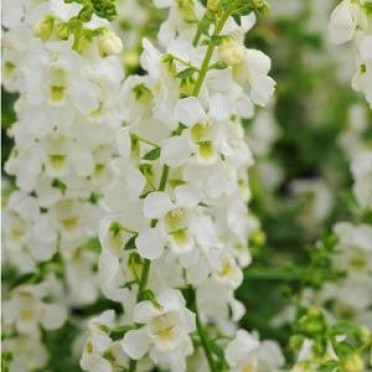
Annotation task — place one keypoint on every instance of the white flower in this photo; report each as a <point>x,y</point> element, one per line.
<point>200,138</point>
<point>253,71</point>
<point>354,247</point>
<point>167,326</point>
<point>109,43</point>
<point>246,353</point>
<point>33,355</point>
<point>55,75</point>
<point>175,222</point>
<point>26,310</point>
<point>100,352</point>
<point>229,272</point>
<point>343,22</point>
<point>165,85</point>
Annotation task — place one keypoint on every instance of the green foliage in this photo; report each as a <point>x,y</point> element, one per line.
<point>102,8</point>
<point>153,154</point>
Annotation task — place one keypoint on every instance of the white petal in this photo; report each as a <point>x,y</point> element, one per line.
<point>123,142</point>
<point>262,89</point>
<point>171,300</point>
<point>150,243</point>
<point>257,61</point>
<point>135,180</point>
<point>157,204</point>
<point>54,317</point>
<point>95,362</point>
<point>248,21</point>
<point>187,196</point>
<point>189,111</point>
<point>342,25</point>
<point>189,321</point>
<point>365,48</point>
<point>239,348</point>
<point>136,343</point>
<point>176,150</point>
<point>144,312</point>
<point>83,161</point>
<point>220,107</point>
<point>85,96</point>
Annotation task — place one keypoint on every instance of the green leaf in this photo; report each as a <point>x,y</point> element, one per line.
<point>186,73</point>
<point>153,154</point>
<point>343,328</point>
<point>204,26</point>
<point>105,9</point>
<point>131,243</point>
<point>58,184</point>
<point>95,197</point>
<point>29,278</point>
<point>140,90</point>
<point>330,366</point>
<point>344,349</point>
<point>179,129</point>
<point>217,39</point>
<point>218,66</point>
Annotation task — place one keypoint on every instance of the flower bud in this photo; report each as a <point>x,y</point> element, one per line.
<point>131,59</point>
<point>231,52</point>
<point>364,334</point>
<point>313,323</point>
<point>214,6</point>
<point>61,31</point>
<point>109,44</point>
<point>258,238</point>
<point>352,363</point>
<point>43,28</point>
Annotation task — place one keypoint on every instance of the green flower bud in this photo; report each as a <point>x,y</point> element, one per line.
<point>261,6</point>
<point>105,9</point>
<point>62,31</point>
<point>352,363</point>
<point>364,334</point>
<point>214,6</point>
<point>296,342</point>
<point>313,323</point>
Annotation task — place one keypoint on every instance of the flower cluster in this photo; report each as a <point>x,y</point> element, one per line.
<point>148,179</point>
<point>351,20</point>
<point>174,244</point>
<point>60,58</point>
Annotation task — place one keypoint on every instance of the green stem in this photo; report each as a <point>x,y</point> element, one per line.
<point>203,339</point>
<point>144,140</point>
<point>164,178</point>
<point>144,277</point>
<point>202,74</point>
<point>208,55</point>
<point>132,365</point>
<point>147,263</point>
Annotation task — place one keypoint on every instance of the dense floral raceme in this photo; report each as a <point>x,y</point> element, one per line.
<point>181,177</point>
<point>67,74</point>
<point>148,156</point>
